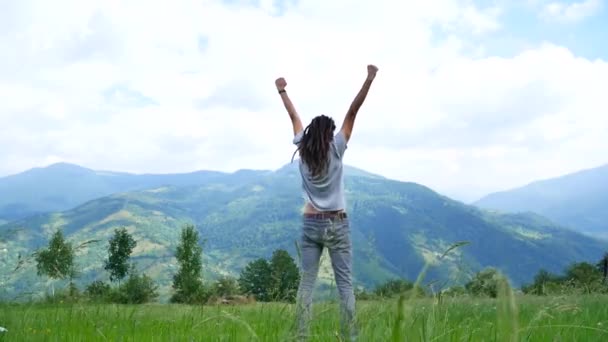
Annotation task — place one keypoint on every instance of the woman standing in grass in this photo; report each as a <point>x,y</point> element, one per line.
<point>325,223</point>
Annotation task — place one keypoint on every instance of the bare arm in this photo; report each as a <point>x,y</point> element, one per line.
<point>291,110</point>
<point>349,120</point>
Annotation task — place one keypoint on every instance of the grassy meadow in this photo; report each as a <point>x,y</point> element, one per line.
<point>525,318</point>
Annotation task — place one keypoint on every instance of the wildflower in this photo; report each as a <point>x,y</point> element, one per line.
<point>3,329</point>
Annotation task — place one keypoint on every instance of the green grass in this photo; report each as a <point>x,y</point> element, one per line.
<point>580,318</point>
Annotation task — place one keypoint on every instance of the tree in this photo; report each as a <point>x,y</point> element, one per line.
<point>544,281</point>
<point>284,275</point>
<point>188,282</point>
<point>119,251</point>
<point>57,260</point>
<point>603,267</point>
<point>485,283</point>
<point>256,280</point>
<point>225,287</point>
<point>584,276</point>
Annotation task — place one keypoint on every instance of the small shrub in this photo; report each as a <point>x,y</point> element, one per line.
<point>138,289</point>
<point>71,294</point>
<point>397,287</point>
<point>455,291</point>
<point>98,290</point>
<point>362,295</point>
<point>231,300</point>
<point>224,287</point>
<point>485,283</point>
<point>199,294</point>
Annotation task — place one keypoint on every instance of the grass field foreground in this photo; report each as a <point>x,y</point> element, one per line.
<point>581,318</point>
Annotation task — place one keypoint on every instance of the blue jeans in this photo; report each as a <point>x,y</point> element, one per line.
<point>334,234</point>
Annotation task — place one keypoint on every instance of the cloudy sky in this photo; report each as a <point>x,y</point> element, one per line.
<point>471,97</point>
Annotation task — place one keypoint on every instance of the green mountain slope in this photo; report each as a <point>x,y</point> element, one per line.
<point>396,228</point>
<point>578,201</point>
<point>63,186</point>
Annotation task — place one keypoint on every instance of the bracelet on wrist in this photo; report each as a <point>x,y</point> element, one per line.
<point>282,91</point>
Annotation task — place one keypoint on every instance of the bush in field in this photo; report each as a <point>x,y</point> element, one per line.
<point>98,290</point>
<point>579,278</point>
<point>276,280</point>
<point>602,266</point>
<point>545,283</point>
<point>393,287</point>
<point>363,294</point>
<point>397,287</point>
<point>137,289</point>
<point>454,291</point>
<point>73,290</point>
<point>485,283</point>
<point>256,280</point>
<point>225,287</point>
<point>284,276</point>
<point>585,277</point>
<point>70,294</point>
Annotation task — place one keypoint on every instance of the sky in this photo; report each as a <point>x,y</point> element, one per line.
<point>471,97</point>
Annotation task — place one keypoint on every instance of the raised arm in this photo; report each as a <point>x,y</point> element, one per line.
<point>293,115</point>
<point>349,120</point>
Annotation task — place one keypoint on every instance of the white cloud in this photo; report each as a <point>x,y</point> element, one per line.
<point>571,12</point>
<point>189,85</point>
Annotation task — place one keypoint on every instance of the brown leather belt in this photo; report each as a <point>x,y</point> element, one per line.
<point>326,215</point>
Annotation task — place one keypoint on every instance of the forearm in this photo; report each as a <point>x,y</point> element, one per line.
<point>349,120</point>
<point>360,98</point>
<point>291,110</point>
<point>293,114</point>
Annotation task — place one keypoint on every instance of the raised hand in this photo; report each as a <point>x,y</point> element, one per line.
<point>280,83</point>
<point>371,71</point>
<point>349,120</point>
<point>291,110</point>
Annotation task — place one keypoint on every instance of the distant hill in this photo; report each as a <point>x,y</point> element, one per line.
<point>578,200</point>
<point>63,186</point>
<point>396,228</point>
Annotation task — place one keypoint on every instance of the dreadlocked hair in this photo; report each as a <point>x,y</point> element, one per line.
<point>314,146</point>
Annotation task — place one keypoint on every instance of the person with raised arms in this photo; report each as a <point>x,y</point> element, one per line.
<point>325,221</point>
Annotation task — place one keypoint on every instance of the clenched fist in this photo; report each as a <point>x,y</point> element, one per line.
<point>280,83</point>
<point>371,71</point>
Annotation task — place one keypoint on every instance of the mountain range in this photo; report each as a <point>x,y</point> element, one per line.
<point>397,227</point>
<point>63,186</point>
<point>578,201</point>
